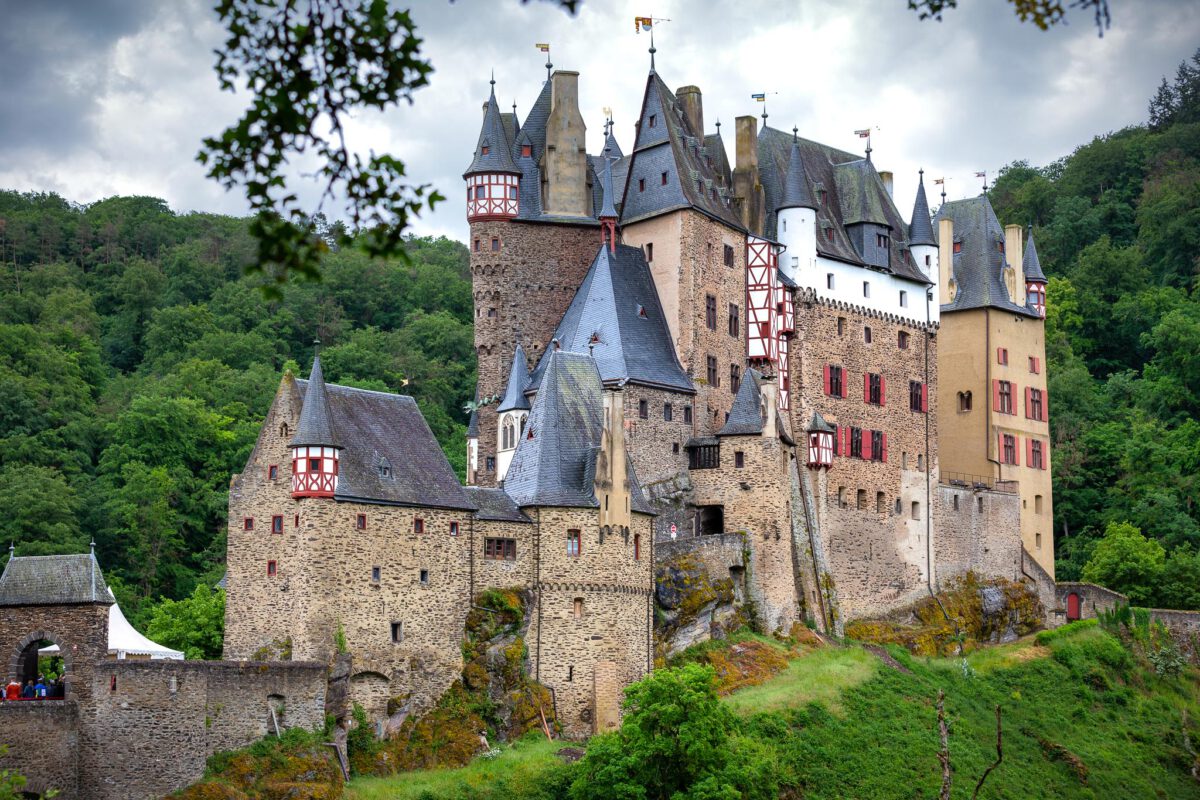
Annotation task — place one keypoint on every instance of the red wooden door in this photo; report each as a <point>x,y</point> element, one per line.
<point>1072,607</point>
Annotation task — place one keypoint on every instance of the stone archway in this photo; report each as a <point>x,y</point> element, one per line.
<point>18,663</point>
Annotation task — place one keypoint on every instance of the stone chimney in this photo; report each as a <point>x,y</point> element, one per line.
<point>1014,253</point>
<point>888,179</point>
<point>945,259</point>
<point>770,400</point>
<point>612,479</point>
<point>693,107</point>
<point>564,166</point>
<point>747,187</point>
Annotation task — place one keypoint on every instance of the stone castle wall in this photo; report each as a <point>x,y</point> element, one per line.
<point>520,291</point>
<point>976,531</point>
<point>43,745</point>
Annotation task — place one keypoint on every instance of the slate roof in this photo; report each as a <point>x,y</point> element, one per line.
<point>495,135</point>
<point>920,229</point>
<point>316,427</point>
<point>1031,264</point>
<point>53,580</point>
<point>714,146</point>
<point>518,381</point>
<point>746,416</point>
<point>607,195</point>
<point>979,268</point>
<point>555,461</point>
<point>611,147</point>
<point>373,426</point>
<point>616,316</point>
<point>494,504</point>
<point>671,146</point>
<point>855,194</point>
<point>796,191</point>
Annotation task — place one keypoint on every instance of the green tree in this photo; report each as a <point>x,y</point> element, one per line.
<point>39,511</point>
<point>1127,562</point>
<point>195,625</point>
<point>1180,583</point>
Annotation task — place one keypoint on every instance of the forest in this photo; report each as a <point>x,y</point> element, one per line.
<point>138,356</point>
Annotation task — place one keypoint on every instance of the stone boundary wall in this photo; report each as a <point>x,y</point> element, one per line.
<point>43,744</point>
<point>1092,600</point>
<point>1043,585</point>
<point>1184,627</point>
<point>717,552</point>
<point>152,724</point>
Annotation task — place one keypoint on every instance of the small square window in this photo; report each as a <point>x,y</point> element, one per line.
<point>675,447</point>
<point>454,528</point>
<point>739,459</point>
<point>526,150</point>
<point>664,179</point>
<point>687,414</point>
<point>653,120</point>
<point>376,574</point>
<point>314,465</point>
<point>271,569</point>
<point>277,524</point>
<point>477,246</point>
<point>668,412</point>
<point>902,340</point>
<point>1002,356</point>
<point>273,471</point>
<point>418,525</point>
<point>397,632</point>
<point>957,247</point>
<point>643,409</point>
<point>361,522</point>
<point>424,577</point>
<point>729,255</point>
<point>495,244</point>
<point>574,542</point>
<point>248,524</point>
<point>490,464</point>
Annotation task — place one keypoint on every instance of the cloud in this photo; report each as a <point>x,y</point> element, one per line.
<point>107,97</point>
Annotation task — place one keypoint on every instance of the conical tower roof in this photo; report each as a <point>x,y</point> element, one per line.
<point>611,148</point>
<point>920,229</point>
<point>607,209</point>
<point>518,381</point>
<point>1032,265</point>
<point>796,192</point>
<point>316,423</point>
<point>493,151</point>
<point>746,416</point>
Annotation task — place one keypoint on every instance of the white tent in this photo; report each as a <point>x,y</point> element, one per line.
<point>124,640</point>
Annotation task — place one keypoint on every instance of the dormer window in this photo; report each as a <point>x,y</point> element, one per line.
<point>641,184</point>
<point>526,151</point>
<point>823,196</point>
<point>385,468</point>
<point>957,247</point>
<point>483,151</point>
<point>663,178</point>
<point>1000,246</point>
<point>653,120</point>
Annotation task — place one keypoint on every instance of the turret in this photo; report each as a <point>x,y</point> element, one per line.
<point>493,179</point>
<point>796,218</point>
<point>1035,279</point>
<point>921,240</point>
<point>513,412</point>
<point>315,450</point>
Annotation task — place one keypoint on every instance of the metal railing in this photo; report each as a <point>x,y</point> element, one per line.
<point>964,480</point>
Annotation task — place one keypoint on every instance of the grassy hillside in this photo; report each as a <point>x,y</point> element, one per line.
<point>1081,719</point>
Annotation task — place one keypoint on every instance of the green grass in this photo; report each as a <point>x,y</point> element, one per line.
<point>818,676</point>
<point>518,771</point>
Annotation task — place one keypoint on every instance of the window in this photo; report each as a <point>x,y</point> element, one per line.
<point>735,378</point>
<point>653,120</point>
<point>397,632</point>
<point>641,184</point>
<point>570,672</point>
<point>297,521</point>
<point>964,401</point>
<point>957,247</point>
<point>663,178</point>
<point>862,499</point>
<point>423,577</point>
<point>920,462</point>
<point>903,299</point>
<point>643,409</point>
<point>500,549</point>
<point>955,502</point>
<point>577,608</point>
<point>1035,454</point>
<point>649,251</point>
<point>882,241</point>
<point>526,150</point>
<point>835,384</point>
<point>1004,397</point>
<point>903,460</point>
<point>637,546</point>
<point>866,288</point>
<point>928,261</point>
<point>508,435</point>
<point>418,525</point>
<point>376,574</point>
<point>361,522</point>
<point>385,468</point>
<point>979,504</point>
<point>880,503</point>
<point>277,524</point>
<point>898,506</point>
<point>491,313</point>
<point>574,543</point>
<point>1034,407</point>
<point>512,193</point>
<point>490,464</point>
<point>248,524</point>
<point>735,324</point>
<point>477,246</point>
<point>874,387</point>
<point>687,414</point>
<point>710,312</point>
<point>828,280</point>
<point>1002,356</point>
<point>1038,540</point>
<point>272,570</point>
<point>483,151</point>
<point>841,497</point>
<point>1008,449</point>
<point>878,446</point>
<point>314,465</point>
<point>856,450</point>
<point>729,255</point>
<point>674,447</point>
<point>867,334</point>
<point>829,234</point>
<point>1037,504</point>
<point>841,326</point>
<point>918,399</point>
<point>902,340</point>
<point>1000,246</point>
<point>739,459</point>
<point>713,378</point>
<point>916,510</point>
<point>668,412</point>
<point>823,195</point>
<point>1035,365</point>
<point>454,528</point>
<point>495,244</point>
<point>273,472</point>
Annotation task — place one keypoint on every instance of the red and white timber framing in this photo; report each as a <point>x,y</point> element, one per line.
<point>770,316</point>
<point>492,195</point>
<point>314,471</point>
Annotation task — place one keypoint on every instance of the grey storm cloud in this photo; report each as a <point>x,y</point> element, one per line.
<point>102,97</point>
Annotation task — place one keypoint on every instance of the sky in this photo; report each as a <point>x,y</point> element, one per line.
<point>106,97</point>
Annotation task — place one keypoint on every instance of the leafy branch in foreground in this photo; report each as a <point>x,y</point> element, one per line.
<point>307,65</point>
<point>1043,13</point>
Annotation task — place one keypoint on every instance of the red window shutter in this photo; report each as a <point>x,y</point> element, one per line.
<point>845,383</point>
<point>1029,451</point>
<point>995,394</point>
<point>866,387</point>
<point>1013,410</point>
<point>1045,404</point>
<point>1028,404</point>
<point>1045,453</point>
<point>845,440</point>
<point>883,455</point>
<point>882,391</point>
<point>924,397</point>
<point>1017,450</point>
<point>1000,447</point>
<point>828,388</point>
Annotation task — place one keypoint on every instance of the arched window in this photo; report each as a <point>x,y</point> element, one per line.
<point>508,436</point>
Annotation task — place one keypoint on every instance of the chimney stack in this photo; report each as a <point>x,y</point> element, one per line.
<point>693,108</point>
<point>770,401</point>
<point>1014,253</point>
<point>945,259</point>
<point>888,179</point>
<point>565,160</point>
<point>747,187</point>
<point>612,480</point>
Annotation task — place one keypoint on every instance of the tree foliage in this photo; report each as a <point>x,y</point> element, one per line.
<point>195,624</point>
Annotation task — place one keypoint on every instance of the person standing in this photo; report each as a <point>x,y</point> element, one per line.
<point>40,689</point>
<point>27,693</point>
<point>13,690</point>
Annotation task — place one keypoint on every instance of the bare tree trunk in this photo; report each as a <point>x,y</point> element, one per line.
<point>944,752</point>
<point>999,755</point>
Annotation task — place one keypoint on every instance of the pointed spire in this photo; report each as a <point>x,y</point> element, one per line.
<point>653,49</point>
<point>518,382</point>
<point>796,193</point>
<point>493,151</point>
<point>611,148</point>
<point>607,209</point>
<point>1032,265</point>
<point>920,228</point>
<point>316,425</point>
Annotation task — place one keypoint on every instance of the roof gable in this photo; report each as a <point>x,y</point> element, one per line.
<point>518,381</point>
<point>53,580</point>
